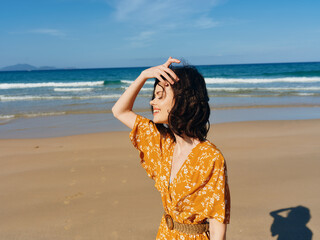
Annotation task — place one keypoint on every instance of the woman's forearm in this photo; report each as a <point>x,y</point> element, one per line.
<point>122,109</point>
<point>217,230</point>
<point>126,101</point>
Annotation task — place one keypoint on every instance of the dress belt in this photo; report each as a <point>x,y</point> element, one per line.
<point>185,227</point>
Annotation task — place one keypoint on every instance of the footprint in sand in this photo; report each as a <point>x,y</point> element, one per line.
<point>97,194</point>
<point>67,225</point>
<point>68,199</point>
<point>78,237</point>
<point>103,179</point>
<point>124,181</point>
<point>102,169</point>
<point>73,182</point>
<point>72,169</point>
<point>115,202</point>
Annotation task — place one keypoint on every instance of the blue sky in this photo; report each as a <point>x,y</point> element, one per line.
<point>116,33</point>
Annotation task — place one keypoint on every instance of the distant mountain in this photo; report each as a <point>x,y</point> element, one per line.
<point>25,67</point>
<point>19,67</point>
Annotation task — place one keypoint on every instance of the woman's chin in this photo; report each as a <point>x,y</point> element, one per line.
<point>158,120</point>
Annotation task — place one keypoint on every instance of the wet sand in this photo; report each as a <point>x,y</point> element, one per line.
<point>84,123</point>
<point>92,187</point>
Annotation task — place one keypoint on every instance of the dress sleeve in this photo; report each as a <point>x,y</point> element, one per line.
<point>213,199</point>
<point>146,138</point>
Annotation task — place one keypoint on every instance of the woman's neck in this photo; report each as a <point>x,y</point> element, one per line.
<point>185,142</point>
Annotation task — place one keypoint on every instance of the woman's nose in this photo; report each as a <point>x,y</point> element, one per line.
<point>152,102</point>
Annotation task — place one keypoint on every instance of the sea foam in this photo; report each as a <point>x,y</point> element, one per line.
<point>262,80</point>
<point>72,89</point>
<point>29,98</point>
<point>233,89</point>
<point>49,84</point>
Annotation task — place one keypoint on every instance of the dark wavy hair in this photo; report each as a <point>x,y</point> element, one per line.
<point>190,114</point>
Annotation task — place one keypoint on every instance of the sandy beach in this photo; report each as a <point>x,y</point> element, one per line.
<point>92,186</point>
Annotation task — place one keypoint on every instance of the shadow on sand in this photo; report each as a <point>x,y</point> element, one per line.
<point>293,226</point>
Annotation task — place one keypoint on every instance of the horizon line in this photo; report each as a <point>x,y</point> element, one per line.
<point>75,68</point>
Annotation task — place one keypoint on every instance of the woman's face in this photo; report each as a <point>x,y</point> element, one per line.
<point>162,103</point>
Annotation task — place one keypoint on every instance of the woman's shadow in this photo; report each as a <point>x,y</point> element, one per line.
<point>292,227</point>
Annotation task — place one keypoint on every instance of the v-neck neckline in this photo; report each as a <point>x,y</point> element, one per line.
<point>182,166</point>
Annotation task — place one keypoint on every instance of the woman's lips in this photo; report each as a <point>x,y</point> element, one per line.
<point>155,111</point>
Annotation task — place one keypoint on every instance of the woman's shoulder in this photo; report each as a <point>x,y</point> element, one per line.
<point>209,152</point>
<point>208,147</point>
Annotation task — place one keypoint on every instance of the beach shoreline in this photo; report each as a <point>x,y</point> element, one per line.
<point>89,186</point>
<point>103,121</point>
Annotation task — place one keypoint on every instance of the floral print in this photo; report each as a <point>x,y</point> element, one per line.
<point>200,189</point>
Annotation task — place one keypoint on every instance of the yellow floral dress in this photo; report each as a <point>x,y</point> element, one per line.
<point>199,190</point>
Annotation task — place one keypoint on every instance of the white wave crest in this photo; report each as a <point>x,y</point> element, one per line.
<point>72,89</point>
<point>126,81</point>
<point>230,89</point>
<point>262,80</point>
<point>30,98</point>
<point>147,89</point>
<point>49,84</point>
<point>306,94</point>
<point>144,89</point>
<point>7,116</point>
<point>149,82</point>
<point>42,114</point>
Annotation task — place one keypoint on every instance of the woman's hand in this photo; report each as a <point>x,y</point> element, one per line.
<point>162,72</point>
<point>122,109</point>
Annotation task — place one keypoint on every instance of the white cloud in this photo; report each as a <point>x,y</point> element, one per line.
<point>160,12</point>
<point>125,8</point>
<point>163,16</point>
<point>48,31</point>
<point>206,23</point>
<point>143,39</point>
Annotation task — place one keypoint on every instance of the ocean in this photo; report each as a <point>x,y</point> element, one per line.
<point>33,94</point>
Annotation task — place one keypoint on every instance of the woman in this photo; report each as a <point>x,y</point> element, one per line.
<point>189,171</point>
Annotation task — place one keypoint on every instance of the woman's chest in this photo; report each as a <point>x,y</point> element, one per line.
<point>181,160</point>
<point>176,173</point>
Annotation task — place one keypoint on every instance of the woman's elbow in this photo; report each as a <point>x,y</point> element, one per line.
<point>115,112</point>
<point>119,113</point>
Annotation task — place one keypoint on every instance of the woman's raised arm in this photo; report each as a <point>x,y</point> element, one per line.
<point>122,109</point>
